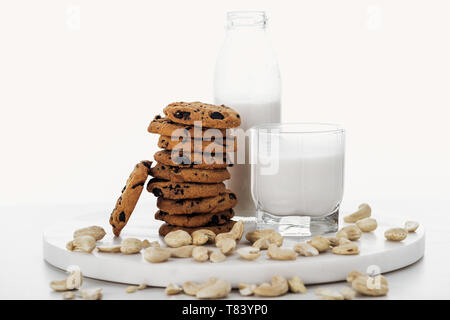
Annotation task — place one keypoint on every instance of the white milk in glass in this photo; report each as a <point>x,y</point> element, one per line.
<point>247,79</point>
<point>307,185</point>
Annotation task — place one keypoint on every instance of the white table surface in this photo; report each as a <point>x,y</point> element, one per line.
<point>25,275</point>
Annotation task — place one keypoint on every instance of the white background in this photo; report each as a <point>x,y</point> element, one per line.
<point>81,80</point>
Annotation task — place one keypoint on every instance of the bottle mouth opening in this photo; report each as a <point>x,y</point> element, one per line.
<point>246,19</point>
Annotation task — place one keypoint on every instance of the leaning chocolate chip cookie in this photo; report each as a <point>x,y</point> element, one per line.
<point>166,127</point>
<point>208,114</point>
<point>198,145</point>
<point>129,197</point>
<point>193,160</point>
<point>166,228</point>
<point>177,174</point>
<point>195,220</point>
<point>222,202</point>
<point>183,190</point>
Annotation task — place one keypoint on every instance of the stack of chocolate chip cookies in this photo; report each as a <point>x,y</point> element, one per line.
<point>190,170</point>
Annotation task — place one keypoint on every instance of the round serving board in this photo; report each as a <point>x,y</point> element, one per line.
<point>376,254</point>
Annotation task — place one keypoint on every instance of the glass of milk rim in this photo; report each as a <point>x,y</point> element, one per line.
<point>297,176</point>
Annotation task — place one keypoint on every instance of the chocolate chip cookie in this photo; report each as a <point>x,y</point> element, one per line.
<point>195,220</point>
<point>183,190</point>
<point>193,160</point>
<point>198,145</point>
<point>129,197</point>
<point>166,127</point>
<point>166,228</point>
<point>222,202</point>
<point>208,114</point>
<point>177,174</point>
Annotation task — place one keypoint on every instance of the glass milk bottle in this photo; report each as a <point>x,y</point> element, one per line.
<point>247,79</point>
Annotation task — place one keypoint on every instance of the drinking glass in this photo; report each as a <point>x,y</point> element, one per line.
<point>297,176</point>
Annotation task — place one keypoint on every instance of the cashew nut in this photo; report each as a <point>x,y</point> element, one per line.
<point>396,234</point>
<point>191,288</point>
<point>226,245</point>
<point>75,278</point>
<point>305,249</point>
<point>276,253</point>
<point>219,289</point>
<point>59,285</point>
<point>246,289</point>
<point>411,226</point>
<point>202,236</point>
<point>82,244</point>
<point>249,253</point>
<point>350,232</point>
<point>364,211</point>
<point>261,244</point>
<point>200,254</point>
<point>173,289</point>
<point>277,287</point>
<point>131,246</point>
<point>349,248</point>
<point>329,294</point>
<point>296,285</point>
<point>367,224</point>
<point>157,254</point>
<point>147,244</point>
<point>182,252</point>
<point>109,249</point>
<point>94,231</point>
<point>217,256</point>
<point>371,286</point>
<point>91,294</point>
<point>131,289</point>
<point>333,241</point>
<point>237,230</point>
<point>269,234</point>
<point>320,243</point>
<point>355,274</point>
<point>177,239</point>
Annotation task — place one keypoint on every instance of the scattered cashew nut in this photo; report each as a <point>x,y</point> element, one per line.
<point>246,289</point>
<point>351,233</point>
<point>173,289</point>
<point>94,231</point>
<point>411,226</point>
<point>226,245</point>
<point>296,285</point>
<point>177,239</point>
<point>202,236</point>
<point>367,224</point>
<point>364,211</point>
<point>305,249</point>
<point>277,287</point>
<point>349,248</point>
<point>182,252</point>
<point>249,253</point>
<point>91,294</point>
<point>396,234</point>
<point>82,244</point>
<point>218,289</point>
<point>157,254</point>
<point>217,256</point>
<point>320,243</point>
<point>276,253</point>
<point>200,254</point>
<point>131,246</point>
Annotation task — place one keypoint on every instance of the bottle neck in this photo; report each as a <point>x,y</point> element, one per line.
<point>242,20</point>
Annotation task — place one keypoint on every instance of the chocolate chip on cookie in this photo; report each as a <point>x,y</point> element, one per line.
<point>193,160</point>
<point>129,197</point>
<point>195,220</point>
<point>183,190</point>
<point>222,202</point>
<point>166,127</point>
<point>217,146</point>
<point>177,174</point>
<point>210,115</point>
